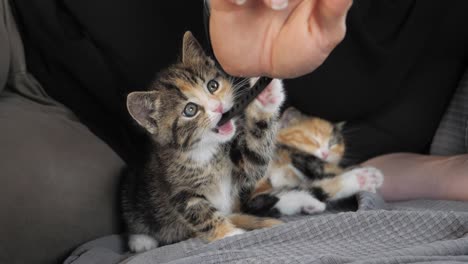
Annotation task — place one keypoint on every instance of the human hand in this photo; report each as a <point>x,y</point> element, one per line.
<point>268,38</point>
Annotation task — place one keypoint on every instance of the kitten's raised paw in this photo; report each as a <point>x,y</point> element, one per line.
<point>370,179</point>
<point>140,243</point>
<point>272,97</point>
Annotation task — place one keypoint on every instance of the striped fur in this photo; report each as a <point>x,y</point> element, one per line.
<point>197,173</point>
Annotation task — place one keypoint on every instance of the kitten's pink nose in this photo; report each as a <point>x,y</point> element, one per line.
<point>324,154</point>
<point>219,109</point>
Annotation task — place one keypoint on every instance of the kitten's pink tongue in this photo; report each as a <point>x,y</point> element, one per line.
<point>226,128</point>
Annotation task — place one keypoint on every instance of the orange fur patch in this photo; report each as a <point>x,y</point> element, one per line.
<point>221,230</point>
<point>184,86</point>
<point>331,186</point>
<point>330,168</point>
<point>282,157</point>
<point>224,89</point>
<point>250,222</point>
<point>307,134</point>
<point>262,186</point>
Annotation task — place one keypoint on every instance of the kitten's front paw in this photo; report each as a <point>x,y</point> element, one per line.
<point>358,179</point>
<point>271,99</point>
<point>366,178</point>
<point>370,179</point>
<point>141,242</point>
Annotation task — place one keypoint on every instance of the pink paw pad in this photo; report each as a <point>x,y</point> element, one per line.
<point>362,179</point>
<point>272,97</point>
<point>370,179</point>
<point>267,97</point>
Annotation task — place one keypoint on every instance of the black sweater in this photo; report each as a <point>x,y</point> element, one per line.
<point>390,79</point>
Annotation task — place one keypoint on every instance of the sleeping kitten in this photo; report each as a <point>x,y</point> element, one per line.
<point>197,172</point>
<point>305,172</point>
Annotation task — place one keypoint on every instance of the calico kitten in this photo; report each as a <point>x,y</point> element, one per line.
<point>305,172</point>
<point>197,172</point>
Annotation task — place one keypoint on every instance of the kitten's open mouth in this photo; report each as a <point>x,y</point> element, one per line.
<point>225,129</point>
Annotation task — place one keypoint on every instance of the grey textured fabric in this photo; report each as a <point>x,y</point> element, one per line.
<point>452,135</point>
<point>58,181</point>
<point>411,232</point>
<point>103,250</point>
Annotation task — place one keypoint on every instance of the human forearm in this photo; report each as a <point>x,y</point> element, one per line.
<point>413,176</point>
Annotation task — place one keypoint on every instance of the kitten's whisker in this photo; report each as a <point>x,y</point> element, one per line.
<point>244,81</point>
<point>237,95</point>
<point>240,83</point>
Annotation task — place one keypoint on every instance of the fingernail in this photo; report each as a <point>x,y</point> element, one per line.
<point>240,2</point>
<point>279,4</point>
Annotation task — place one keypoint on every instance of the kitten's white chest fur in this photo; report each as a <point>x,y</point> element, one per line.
<point>203,153</point>
<point>221,195</point>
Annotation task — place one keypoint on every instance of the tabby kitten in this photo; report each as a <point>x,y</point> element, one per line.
<point>197,172</point>
<point>305,172</point>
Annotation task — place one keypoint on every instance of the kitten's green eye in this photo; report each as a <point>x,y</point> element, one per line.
<point>190,110</point>
<point>213,86</point>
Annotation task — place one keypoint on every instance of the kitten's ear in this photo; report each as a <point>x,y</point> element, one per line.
<point>192,51</point>
<point>140,105</point>
<point>340,125</point>
<point>289,116</point>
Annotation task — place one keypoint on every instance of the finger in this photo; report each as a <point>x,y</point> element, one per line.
<point>276,4</point>
<point>227,5</point>
<point>331,14</point>
<point>238,2</point>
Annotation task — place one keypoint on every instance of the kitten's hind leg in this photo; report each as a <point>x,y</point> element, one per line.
<point>293,202</point>
<point>287,202</point>
<point>250,222</point>
<point>141,242</point>
<point>203,217</point>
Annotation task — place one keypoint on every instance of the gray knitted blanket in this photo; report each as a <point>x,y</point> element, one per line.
<point>410,232</point>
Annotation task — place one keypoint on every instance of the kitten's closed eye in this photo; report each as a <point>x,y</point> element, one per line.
<point>315,142</point>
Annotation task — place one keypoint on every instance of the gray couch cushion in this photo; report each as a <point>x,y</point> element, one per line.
<point>4,47</point>
<point>452,135</point>
<point>13,73</point>
<point>58,182</point>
